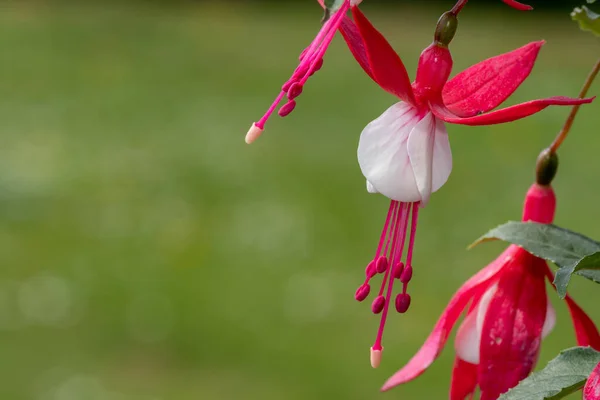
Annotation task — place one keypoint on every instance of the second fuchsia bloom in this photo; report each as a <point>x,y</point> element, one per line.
<point>405,153</point>
<point>591,391</point>
<point>508,315</point>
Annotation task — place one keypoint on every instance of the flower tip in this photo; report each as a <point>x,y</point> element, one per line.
<point>375,357</point>
<point>253,133</point>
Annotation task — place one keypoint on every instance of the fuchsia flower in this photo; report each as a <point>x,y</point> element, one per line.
<point>508,314</point>
<point>591,391</point>
<point>311,61</point>
<point>405,153</point>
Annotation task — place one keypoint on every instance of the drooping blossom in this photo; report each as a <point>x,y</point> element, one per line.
<point>311,61</point>
<point>405,153</point>
<point>591,391</point>
<point>507,316</point>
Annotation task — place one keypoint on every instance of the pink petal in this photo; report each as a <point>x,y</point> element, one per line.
<point>512,331</point>
<point>485,85</point>
<point>464,380</point>
<point>506,114</point>
<point>387,68</point>
<point>434,344</point>
<point>517,5</point>
<point>585,329</point>
<point>591,391</point>
<point>356,45</point>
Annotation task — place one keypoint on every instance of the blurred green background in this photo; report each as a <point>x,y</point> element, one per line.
<point>148,253</point>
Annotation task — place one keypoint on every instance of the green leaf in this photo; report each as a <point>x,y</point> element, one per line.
<point>562,376</point>
<point>587,19</point>
<point>570,251</point>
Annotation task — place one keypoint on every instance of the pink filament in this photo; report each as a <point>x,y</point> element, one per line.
<point>396,252</point>
<point>310,58</point>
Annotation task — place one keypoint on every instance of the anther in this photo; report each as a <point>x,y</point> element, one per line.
<point>362,292</point>
<point>295,90</point>
<point>398,269</point>
<point>407,274</point>
<point>301,57</point>
<point>287,108</point>
<point>371,269</point>
<point>253,133</point>
<point>318,66</point>
<point>378,304</point>
<point>382,264</point>
<point>402,302</point>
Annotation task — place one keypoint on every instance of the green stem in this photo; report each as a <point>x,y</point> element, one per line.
<point>567,127</point>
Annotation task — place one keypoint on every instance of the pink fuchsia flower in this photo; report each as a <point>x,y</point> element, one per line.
<point>311,61</point>
<point>591,391</point>
<point>405,153</point>
<point>507,316</point>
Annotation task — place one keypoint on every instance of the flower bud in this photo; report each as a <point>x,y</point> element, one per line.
<point>446,28</point>
<point>546,167</point>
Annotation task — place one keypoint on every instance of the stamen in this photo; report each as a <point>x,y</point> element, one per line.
<point>398,269</point>
<point>402,302</point>
<point>388,259</point>
<point>396,252</point>
<point>287,108</point>
<point>378,304</point>
<point>311,60</point>
<point>362,292</point>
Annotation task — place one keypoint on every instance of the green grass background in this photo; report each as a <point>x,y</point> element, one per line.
<point>147,253</point>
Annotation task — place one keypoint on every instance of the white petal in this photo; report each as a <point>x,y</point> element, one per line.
<point>383,153</point>
<point>442,156</point>
<point>550,320</point>
<point>371,188</point>
<point>468,338</point>
<point>430,155</point>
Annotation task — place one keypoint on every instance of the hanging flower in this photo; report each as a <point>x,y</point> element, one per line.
<point>508,315</point>
<point>405,153</point>
<point>591,391</point>
<point>311,61</point>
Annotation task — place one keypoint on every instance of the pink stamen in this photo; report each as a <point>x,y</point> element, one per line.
<point>388,259</point>
<point>397,249</point>
<point>378,304</point>
<point>311,60</point>
<point>287,108</point>
<point>402,302</point>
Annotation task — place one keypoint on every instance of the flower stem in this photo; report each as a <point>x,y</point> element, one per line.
<point>458,6</point>
<point>567,127</point>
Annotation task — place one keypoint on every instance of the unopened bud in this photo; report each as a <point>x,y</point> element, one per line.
<point>446,28</point>
<point>377,305</point>
<point>546,167</point>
